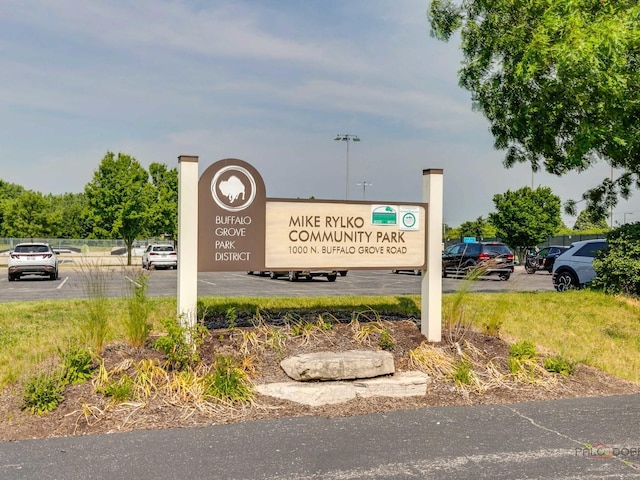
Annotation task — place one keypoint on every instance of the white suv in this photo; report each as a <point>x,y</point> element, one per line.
<point>159,256</point>
<point>32,259</point>
<point>574,267</point>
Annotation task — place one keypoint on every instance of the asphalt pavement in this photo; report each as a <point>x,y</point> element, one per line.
<point>584,438</point>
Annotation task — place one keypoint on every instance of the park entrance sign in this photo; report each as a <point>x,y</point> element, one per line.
<point>239,229</point>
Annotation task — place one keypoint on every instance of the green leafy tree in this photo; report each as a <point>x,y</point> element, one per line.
<point>31,216</point>
<point>558,80</point>
<point>480,228</point>
<point>588,220</point>
<point>119,199</point>
<point>72,210</point>
<point>164,220</point>
<point>618,267</point>
<point>526,217</point>
<point>8,192</point>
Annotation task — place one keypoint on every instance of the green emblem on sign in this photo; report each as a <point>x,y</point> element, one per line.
<point>384,215</point>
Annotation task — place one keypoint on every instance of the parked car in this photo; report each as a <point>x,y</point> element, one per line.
<point>32,259</point>
<point>574,267</point>
<point>159,256</point>
<point>414,272</point>
<point>493,257</point>
<point>294,275</point>
<point>543,259</point>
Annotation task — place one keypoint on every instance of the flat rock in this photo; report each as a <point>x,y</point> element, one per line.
<point>404,384</point>
<point>348,365</point>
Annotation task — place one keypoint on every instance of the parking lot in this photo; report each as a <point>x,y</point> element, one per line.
<point>74,281</point>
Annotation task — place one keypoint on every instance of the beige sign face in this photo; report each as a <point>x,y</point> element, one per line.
<point>331,235</point>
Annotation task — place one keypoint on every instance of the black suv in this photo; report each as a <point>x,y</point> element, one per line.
<point>493,257</point>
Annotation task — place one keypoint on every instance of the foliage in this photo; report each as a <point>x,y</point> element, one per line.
<point>77,365</point>
<point>30,216</point>
<point>559,364</point>
<point>228,381</point>
<point>137,325</point>
<point>479,229</point>
<point>526,217</point>
<point>164,209</point>
<point>95,325</point>
<point>558,81</point>
<point>119,199</point>
<point>522,355</point>
<point>462,372</point>
<point>588,220</point>
<point>386,341</point>
<point>181,344</point>
<point>42,393</point>
<point>618,267</point>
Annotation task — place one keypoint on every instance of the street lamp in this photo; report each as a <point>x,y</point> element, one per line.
<point>364,188</point>
<point>347,137</point>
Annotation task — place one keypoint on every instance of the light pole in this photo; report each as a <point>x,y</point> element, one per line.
<point>347,137</point>
<point>364,188</point>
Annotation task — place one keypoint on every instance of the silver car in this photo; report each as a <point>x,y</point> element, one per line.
<point>32,259</point>
<point>159,256</point>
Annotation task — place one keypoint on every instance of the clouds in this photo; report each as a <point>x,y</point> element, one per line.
<point>271,82</point>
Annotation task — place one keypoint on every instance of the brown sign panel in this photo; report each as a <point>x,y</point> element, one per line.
<point>231,217</point>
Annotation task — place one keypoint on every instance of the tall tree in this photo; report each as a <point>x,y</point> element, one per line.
<point>526,217</point>
<point>164,220</point>
<point>8,192</point>
<point>587,220</point>
<point>558,80</point>
<point>73,212</point>
<point>31,216</point>
<point>119,198</point>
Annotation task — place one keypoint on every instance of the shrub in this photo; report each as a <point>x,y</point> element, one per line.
<point>43,393</point>
<point>228,381</point>
<point>181,344</point>
<point>462,372</point>
<point>77,365</point>
<point>618,267</point>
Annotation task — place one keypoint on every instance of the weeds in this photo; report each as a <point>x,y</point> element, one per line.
<point>559,364</point>
<point>95,325</point>
<point>228,381</point>
<point>43,393</point>
<point>181,344</point>
<point>136,323</point>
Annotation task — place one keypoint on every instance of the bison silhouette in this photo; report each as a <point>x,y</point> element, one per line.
<point>232,188</point>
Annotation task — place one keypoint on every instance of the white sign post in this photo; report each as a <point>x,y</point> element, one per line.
<point>431,295</point>
<point>187,240</point>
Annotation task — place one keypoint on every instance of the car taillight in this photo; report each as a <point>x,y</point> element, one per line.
<point>14,256</point>
<point>510,257</point>
<point>173,253</point>
<point>153,253</point>
<point>47,255</point>
<point>483,256</point>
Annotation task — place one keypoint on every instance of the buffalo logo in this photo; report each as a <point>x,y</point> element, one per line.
<point>233,188</point>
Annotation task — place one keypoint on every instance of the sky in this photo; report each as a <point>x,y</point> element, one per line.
<point>271,82</point>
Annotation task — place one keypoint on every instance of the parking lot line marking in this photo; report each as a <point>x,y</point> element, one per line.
<point>208,283</point>
<point>62,283</point>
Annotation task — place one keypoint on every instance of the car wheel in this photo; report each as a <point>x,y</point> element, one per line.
<point>331,278</point>
<point>273,275</point>
<point>293,276</point>
<point>395,271</point>
<point>10,277</point>
<point>505,276</point>
<point>565,281</point>
<point>343,273</point>
<point>444,272</point>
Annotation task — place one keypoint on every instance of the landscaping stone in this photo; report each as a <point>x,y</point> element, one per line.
<point>349,365</point>
<point>404,384</point>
